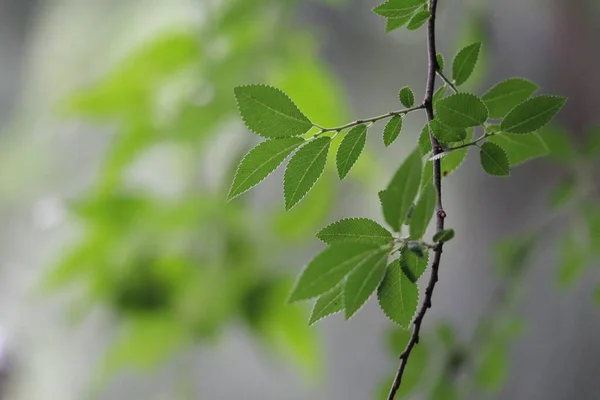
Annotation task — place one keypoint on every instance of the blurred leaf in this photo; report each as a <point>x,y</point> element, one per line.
<point>493,370</point>
<point>572,260</point>
<point>563,193</point>
<point>512,255</point>
<point>559,144</point>
<point>443,236</point>
<point>591,149</point>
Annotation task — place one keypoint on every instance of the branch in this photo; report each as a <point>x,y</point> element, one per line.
<point>433,68</point>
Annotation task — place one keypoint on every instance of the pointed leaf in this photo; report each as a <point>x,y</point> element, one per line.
<point>425,141</point>
<point>397,199</point>
<point>304,169</point>
<point>520,148</point>
<point>329,303</point>
<point>412,265</point>
<point>439,94</point>
<point>423,212</point>
<point>330,267</point>
<point>393,24</point>
<point>269,112</point>
<point>464,63</point>
<point>532,114</point>
<point>407,97</point>
<point>392,130</point>
<point>461,110</point>
<point>440,61</point>
<point>447,134</point>
<point>362,230</point>
<point>260,162</point>
<point>398,296</point>
<point>363,281</point>
<point>563,193</point>
<point>417,20</point>
<point>444,236</point>
<point>350,148</point>
<point>494,160</point>
<point>394,9</point>
<point>506,95</point>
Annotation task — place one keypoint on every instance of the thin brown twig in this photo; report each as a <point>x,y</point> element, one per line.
<point>440,213</point>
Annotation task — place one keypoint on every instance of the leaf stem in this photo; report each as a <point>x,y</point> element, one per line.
<point>433,68</point>
<point>447,81</point>
<point>473,143</point>
<point>368,120</point>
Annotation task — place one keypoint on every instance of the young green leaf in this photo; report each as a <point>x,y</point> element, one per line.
<point>350,148</point>
<point>444,236</point>
<point>328,268</point>
<point>423,212</point>
<point>440,61</point>
<point>304,169</point>
<point>447,134</point>
<point>329,303</point>
<point>407,97</point>
<point>425,141</point>
<point>506,95</point>
<point>412,265</point>
<point>464,63</point>
<point>494,160</point>
<point>532,114</point>
<point>260,162</point>
<point>418,19</point>
<point>402,190</point>
<point>393,24</point>
<point>461,110</point>
<point>439,94</point>
<point>398,296</point>
<point>520,148</point>
<point>269,112</point>
<point>362,230</point>
<point>395,9</point>
<point>363,281</point>
<point>392,130</point>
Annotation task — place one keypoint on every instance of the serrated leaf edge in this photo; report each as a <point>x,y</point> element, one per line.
<point>337,156</point>
<point>312,321</point>
<point>470,95</point>
<point>505,154</point>
<point>318,234</point>
<point>383,309</point>
<point>530,99</point>
<point>385,257</point>
<point>464,49</point>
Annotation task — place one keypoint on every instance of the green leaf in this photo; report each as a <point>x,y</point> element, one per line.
<point>493,370</point>
<point>440,61</point>
<point>269,112</point>
<point>532,114</point>
<point>329,303</point>
<point>407,97</point>
<point>494,160</point>
<point>506,95</point>
<point>412,265</point>
<point>417,20</point>
<point>461,110</point>
<point>520,148</point>
<point>449,163</point>
<point>559,145</point>
<point>572,260</point>
<point>260,162</point>
<point>591,149</point>
<point>397,199</point>
<point>363,281</point>
<point>398,296</point>
<point>330,267</point>
<point>439,94</point>
<point>423,212</point>
<point>446,134</point>
<point>304,169</point>
<point>362,230</point>
<point>464,63</point>
<point>350,148</point>
<point>393,24</point>
<point>397,9</point>
<point>425,141</point>
<point>416,249</point>
<point>444,236</point>
<point>392,130</point>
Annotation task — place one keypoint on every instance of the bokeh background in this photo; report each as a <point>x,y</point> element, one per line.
<point>125,275</point>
